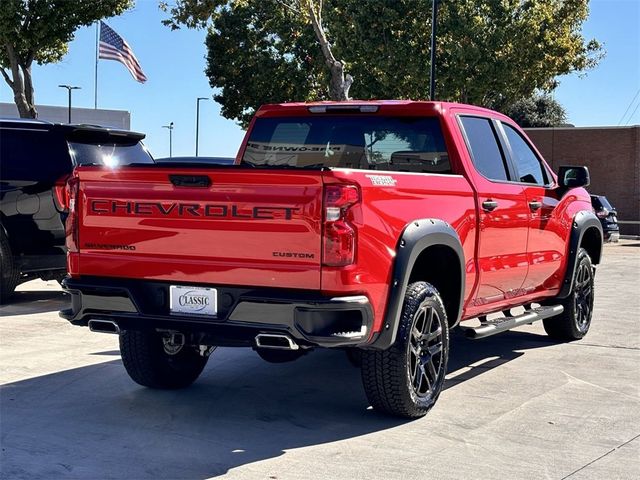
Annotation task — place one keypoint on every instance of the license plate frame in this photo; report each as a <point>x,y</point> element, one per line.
<point>192,300</point>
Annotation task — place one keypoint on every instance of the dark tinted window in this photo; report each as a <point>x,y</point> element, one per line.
<point>601,202</point>
<point>530,170</point>
<point>366,142</point>
<point>108,154</point>
<point>485,152</point>
<point>32,154</point>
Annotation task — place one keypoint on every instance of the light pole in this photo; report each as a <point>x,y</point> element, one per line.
<point>198,119</point>
<point>434,23</point>
<point>69,88</point>
<point>170,127</point>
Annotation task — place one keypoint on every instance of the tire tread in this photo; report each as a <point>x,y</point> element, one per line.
<point>383,371</point>
<point>9,276</point>
<point>147,364</point>
<point>562,327</point>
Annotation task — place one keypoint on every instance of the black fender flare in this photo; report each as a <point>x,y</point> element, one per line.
<point>416,237</point>
<point>583,221</point>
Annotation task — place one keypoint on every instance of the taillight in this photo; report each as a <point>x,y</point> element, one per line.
<point>71,226</point>
<point>339,234</point>
<point>60,197</point>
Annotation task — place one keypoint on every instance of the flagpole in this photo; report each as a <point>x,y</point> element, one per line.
<point>95,83</point>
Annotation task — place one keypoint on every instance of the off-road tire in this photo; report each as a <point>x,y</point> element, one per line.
<point>386,376</point>
<point>574,322</point>
<point>149,365</point>
<point>279,356</point>
<point>9,275</point>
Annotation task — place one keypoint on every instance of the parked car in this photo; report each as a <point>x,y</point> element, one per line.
<point>608,217</point>
<point>36,159</point>
<point>375,226</point>
<point>207,160</point>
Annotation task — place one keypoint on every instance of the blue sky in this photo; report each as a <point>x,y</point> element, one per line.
<point>174,62</point>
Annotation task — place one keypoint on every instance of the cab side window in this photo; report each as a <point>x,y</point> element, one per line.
<point>530,169</point>
<point>483,146</point>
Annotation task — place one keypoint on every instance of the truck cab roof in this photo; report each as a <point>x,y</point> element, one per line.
<point>386,107</point>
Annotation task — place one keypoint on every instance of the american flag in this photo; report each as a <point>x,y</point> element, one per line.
<point>113,47</point>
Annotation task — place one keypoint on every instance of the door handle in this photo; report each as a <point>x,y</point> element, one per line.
<point>535,205</point>
<point>489,205</point>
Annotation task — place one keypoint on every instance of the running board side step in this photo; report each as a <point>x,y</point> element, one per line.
<point>500,325</point>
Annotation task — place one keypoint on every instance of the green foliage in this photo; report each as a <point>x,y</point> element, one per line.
<point>490,52</point>
<point>539,110</point>
<point>40,31</point>
<point>261,53</point>
<point>191,13</point>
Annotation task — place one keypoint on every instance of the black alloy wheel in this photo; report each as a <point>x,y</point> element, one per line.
<point>575,320</point>
<point>406,379</point>
<point>583,298</point>
<point>425,351</point>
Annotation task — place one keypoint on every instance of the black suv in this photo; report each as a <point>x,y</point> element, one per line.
<point>36,158</point>
<point>608,217</point>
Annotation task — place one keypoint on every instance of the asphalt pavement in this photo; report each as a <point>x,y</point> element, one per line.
<point>515,406</point>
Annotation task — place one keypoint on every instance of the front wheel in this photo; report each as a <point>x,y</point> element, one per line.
<point>406,379</point>
<point>152,362</point>
<point>574,322</point>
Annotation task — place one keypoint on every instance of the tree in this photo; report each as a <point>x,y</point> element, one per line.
<point>490,52</point>
<point>539,110</point>
<point>40,31</point>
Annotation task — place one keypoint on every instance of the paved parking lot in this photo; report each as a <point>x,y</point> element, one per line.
<point>516,406</point>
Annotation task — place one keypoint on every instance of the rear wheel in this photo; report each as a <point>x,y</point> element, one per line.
<point>406,379</point>
<point>152,362</point>
<point>9,274</point>
<point>574,322</point>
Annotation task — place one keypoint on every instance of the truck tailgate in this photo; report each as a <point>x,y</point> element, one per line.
<point>220,226</point>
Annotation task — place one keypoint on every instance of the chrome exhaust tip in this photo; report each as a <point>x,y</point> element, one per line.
<point>275,341</point>
<point>104,326</point>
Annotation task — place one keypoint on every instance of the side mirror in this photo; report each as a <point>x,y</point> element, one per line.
<point>572,177</point>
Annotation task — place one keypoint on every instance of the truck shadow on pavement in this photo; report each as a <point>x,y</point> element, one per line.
<point>94,422</point>
<point>27,302</point>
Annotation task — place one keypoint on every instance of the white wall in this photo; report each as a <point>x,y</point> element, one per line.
<point>49,113</point>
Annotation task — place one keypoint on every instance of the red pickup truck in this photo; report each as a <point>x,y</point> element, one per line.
<point>370,226</point>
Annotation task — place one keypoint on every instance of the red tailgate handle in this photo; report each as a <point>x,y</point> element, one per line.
<point>193,181</point>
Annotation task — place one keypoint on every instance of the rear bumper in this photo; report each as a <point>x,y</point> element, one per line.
<point>611,232</point>
<point>307,317</point>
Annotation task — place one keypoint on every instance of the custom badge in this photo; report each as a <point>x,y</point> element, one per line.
<point>382,180</point>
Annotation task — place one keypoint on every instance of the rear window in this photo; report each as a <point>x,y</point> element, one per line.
<point>601,202</point>
<point>406,144</point>
<point>109,154</point>
<point>32,154</point>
